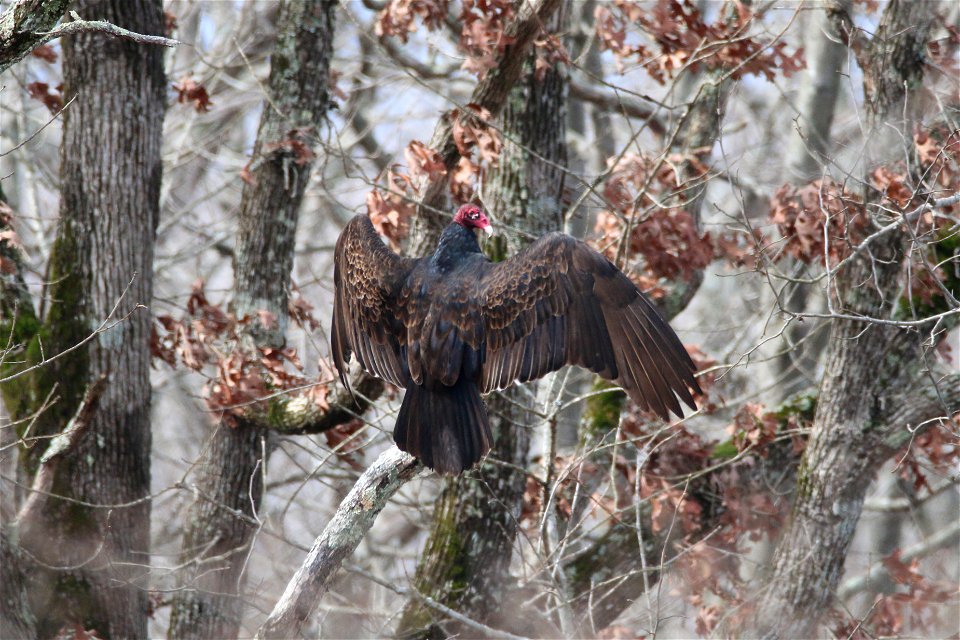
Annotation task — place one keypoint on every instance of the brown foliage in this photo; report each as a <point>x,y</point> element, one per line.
<point>818,221</point>
<point>243,376</point>
<point>45,52</point>
<point>51,99</point>
<point>398,18</point>
<point>679,38</point>
<point>391,207</point>
<point>190,91</point>
<point>297,145</point>
<point>639,190</point>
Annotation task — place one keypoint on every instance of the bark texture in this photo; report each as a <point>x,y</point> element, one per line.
<point>862,363</point>
<point>17,621</point>
<point>466,560</point>
<point>491,94</point>
<point>20,24</point>
<point>100,268</point>
<point>216,540</point>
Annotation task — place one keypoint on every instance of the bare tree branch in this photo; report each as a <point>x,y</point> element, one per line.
<point>59,447</point>
<point>21,32</point>
<point>616,103</point>
<point>879,572</point>
<point>490,94</point>
<point>340,537</point>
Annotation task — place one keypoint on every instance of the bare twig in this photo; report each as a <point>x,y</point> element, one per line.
<point>104,326</point>
<point>37,132</point>
<point>343,533</point>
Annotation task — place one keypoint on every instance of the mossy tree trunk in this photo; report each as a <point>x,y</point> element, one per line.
<point>231,470</point>
<point>101,269</point>
<point>863,362</point>
<point>466,560</point>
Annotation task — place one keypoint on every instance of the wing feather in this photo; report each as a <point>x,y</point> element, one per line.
<point>367,321</point>
<point>560,302</point>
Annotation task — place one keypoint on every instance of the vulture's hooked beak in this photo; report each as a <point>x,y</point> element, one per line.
<point>488,230</point>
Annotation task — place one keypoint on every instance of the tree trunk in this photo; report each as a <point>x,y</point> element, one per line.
<point>826,55</point>
<point>611,570</point>
<point>863,362</point>
<point>217,539</point>
<point>466,560</point>
<point>490,93</point>
<point>100,270</point>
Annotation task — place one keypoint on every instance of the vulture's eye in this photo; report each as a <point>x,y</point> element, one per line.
<point>474,215</point>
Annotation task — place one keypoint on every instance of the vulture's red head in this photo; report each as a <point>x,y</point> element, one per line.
<point>472,217</point>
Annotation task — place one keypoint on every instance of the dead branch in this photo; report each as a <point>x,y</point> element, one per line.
<point>24,27</point>
<point>343,533</point>
<point>59,447</point>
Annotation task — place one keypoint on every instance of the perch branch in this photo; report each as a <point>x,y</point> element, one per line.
<point>343,533</point>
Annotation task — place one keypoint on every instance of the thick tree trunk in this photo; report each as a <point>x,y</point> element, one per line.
<point>862,364</point>
<point>17,621</point>
<point>817,100</point>
<point>100,270</point>
<point>466,560</point>
<point>232,468</point>
<point>491,94</point>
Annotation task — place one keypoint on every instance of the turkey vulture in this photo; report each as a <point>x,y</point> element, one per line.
<point>453,325</point>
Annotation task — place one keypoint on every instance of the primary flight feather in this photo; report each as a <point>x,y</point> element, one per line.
<point>453,325</point>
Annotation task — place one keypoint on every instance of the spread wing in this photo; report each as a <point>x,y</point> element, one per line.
<point>560,302</point>
<point>367,278</point>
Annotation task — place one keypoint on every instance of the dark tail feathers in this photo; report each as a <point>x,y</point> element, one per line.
<point>445,427</point>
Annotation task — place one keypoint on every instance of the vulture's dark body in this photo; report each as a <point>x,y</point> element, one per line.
<point>454,325</point>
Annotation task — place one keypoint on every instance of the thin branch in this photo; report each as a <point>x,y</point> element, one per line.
<point>892,505</point>
<point>23,29</point>
<point>343,533</point>
<point>37,132</point>
<point>878,572</point>
<point>614,102</point>
<point>79,25</point>
<point>100,329</point>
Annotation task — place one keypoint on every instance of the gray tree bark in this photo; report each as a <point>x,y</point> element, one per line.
<point>863,364</point>
<point>339,539</point>
<point>231,472</point>
<point>466,559</point>
<point>101,281</point>
<point>826,55</point>
<point>491,94</point>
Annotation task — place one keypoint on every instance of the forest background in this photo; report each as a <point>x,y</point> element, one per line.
<point>783,178</point>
